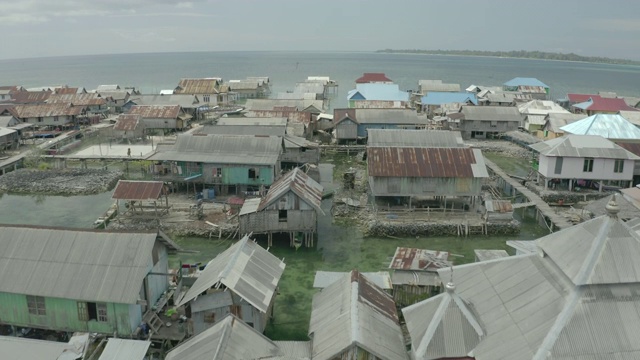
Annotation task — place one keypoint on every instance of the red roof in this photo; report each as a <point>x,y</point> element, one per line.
<point>372,77</point>
<point>609,105</point>
<point>138,190</point>
<point>578,98</point>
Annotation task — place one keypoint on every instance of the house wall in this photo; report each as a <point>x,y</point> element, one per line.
<point>157,284</point>
<point>128,134</point>
<point>346,130</point>
<point>9,141</point>
<point>269,221</point>
<point>413,186</point>
<point>49,120</point>
<point>572,168</point>
<point>154,123</point>
<point>241,308</point>
<point>294,155</point>
<point>62,315</point>
<point>488,126</point>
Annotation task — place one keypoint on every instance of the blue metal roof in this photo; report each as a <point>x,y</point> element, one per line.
<point>383,92</point>
<point>525,82</point>
<point>609,126</point>
<point>439,98</point>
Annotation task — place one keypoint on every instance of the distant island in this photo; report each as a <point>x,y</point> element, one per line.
<point>519,54</point>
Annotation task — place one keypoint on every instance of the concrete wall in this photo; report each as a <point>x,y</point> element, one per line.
<point>572,168</point>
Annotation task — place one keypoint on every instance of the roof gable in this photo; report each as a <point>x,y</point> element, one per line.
<point>156,111</point>
<point>247,269</point>
<point>372,77</point>
<point>300,184</point>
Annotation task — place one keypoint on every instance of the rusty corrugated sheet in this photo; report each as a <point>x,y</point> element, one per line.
<point>420,162</point>
<point>156,111</point>
<point>373,296</point>
<point>341,114</point>
<point>66,90</point>
<point>46,110</point>
<point>90,99</point>
<point>28,97</point>
<point>419,259</point>
<point>138,190</point>
<point>198,86</point>
<point>127,122</point>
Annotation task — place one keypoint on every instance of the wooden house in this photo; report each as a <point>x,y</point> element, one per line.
<point>378,96</point>
<point>291,206</point>
<point>417,170</point>
<point>230,338</point>
<point>9,139</point>
<point>572,297</point>
<point>242,281</point>
<point>142,199</point>
<point>128,126</point>
<point>354,124</point>
<point>170,117</point>
<point>312,106</point>
<point>210,91</point>
<point>190,104</point>
<point>498,211</point>
<point>59,114</point>
<point>250,88</point>
<point>596,104</point>
<point>354,319</point>
<point>80,280</point>
<point>481,122</point>
<point>374,78</point>
<point>429,86</point>
<point>583,161</point>
<point>414,276</point>
<point>231,163</point>
<point>529,86</point>
<point>535,113</point>
<point>92,103</point>
<point>554,122</point>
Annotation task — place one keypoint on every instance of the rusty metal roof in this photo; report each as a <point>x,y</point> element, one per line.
<point>66,90</point>
<point>372,77</point>
<point>301,184</point>
<point>419,259</point>
<point>206,86</point>
<point>138,190</point>
<point>425,162</point>
<point>156,111</point>
<point>88,99</point>
<point>127,122</point>
<point>29,97</point>
<point>501,206</point>
<point>46,110</point>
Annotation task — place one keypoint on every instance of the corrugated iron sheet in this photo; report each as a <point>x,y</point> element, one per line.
<point>325,278</point>
<point>415,278</point>
<point>138,190</point>
<point>12,347</point>
<point>75,264</point>
<point>609,126</point>
<point>372,77</point>
<point>421,162</point>
<point>485,255</point>
<point>293,350</point>
<point>127,122</point>
<point>230,338</point>
<point>121,349</point>
<point>283,104</point>
<point>254,121</point>
<point>501,206</point>
<point>206,86</point>
<point>301,184</point>
<point>30,97</point>
<point>246,268</point>
<point>156,111</point>
<point>47,110</point>
<point>491,113</point>
<point>591,146</point>
<point>293,116</point>
<point>419,259</point>
<point>89,99</point>
<point>272,130</point>
<point>186,101</point>
<point>422,138</point>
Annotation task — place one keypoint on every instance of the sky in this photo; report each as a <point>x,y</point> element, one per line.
<point>42,28</point>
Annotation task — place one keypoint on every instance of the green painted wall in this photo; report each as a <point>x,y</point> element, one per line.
<point>62,315</point>
<point>239,175</point>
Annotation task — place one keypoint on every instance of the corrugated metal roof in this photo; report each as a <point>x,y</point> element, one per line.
<point>604,104</point>
<point>247,269</point>
<point>66,90</point>
<point>610,126</point>
<point>426,162</point>
<point>243,85</point>
<point>541,107</point>
<point>293,116</point>
<point>485,255</point>
<point>7,121</point>
<point>214,300</point>
<point>557,120</point>
<point>627,209</point>
<point>47,110</point>
<point>415,278</point>
<point>156,111</point>
<point>122,349</point>
<point>354,312</point>
<point>75,264</point>
<point>138,190</point>
<point>12,347</point>
<point>89,99</point>
<point>325,278</point>
<point>378,92</point>
<point>452,332</point>
<point>254,121</point>
<point>108,87</point>
<point>440,98</point>
<point>30,97</point>
<point>592,146</point>
<point>437,85</point>
<point>523,246</point>
<point>185,101</point>
<point>502,206</point>
<point>421,138</point>
<point>127,122</point>
<point>271,130</point>
<point>250,206</point>
<point>309,87</point>
<point>228,339</point>
<point>293,350</point>
<point>491,113</point>
<point>372,77</point>
<point>631,116</point>
<point>522,81</point>
<point>290,104</point>
<point>300,184</point>
<point>205,86</point>
<point>419,259</point>
<point>224,149</point>
<point>5,131</point>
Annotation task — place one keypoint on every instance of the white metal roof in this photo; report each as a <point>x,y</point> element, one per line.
<point>246,268</point>
<point>74,264</point>
<point>293,350</point>
<point>29,349</point>
<point>326,278</point>
<point>610,126</point>
<point>405,138</point>
<point>123,349</point>
<point>592,146</point>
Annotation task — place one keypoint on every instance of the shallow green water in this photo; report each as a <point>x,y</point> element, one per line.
<point>340,247</point>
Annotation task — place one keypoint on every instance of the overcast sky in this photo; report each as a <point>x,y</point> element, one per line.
<point>36,28</point>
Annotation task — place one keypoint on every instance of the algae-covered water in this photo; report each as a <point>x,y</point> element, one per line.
<point>340,247</point>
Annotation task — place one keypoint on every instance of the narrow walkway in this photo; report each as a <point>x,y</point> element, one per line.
<point>557,220</point>
<point>522,205</point>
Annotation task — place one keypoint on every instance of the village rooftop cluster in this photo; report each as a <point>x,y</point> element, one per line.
<point>572,294</point>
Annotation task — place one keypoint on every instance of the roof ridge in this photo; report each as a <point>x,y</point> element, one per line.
<point>240,244</point>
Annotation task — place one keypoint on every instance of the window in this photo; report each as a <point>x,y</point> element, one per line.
<point>206,98</point>
<point>36,305</point>
<point>83,312</point>
<point>494,124</point>
<point>282,215</point>
<point>55,118</point>
<point>588,165</point>
<point>618,166</point>
<point>217,172</point>
<point>102,312</point>
<point>558,169</point>
<point>210,317</point>
<point>39,119</point>
<point>253,174</point>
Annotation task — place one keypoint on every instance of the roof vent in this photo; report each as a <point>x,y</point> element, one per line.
<point>612,207</point>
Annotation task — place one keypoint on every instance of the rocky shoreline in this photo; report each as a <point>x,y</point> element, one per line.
<point>59,181</point>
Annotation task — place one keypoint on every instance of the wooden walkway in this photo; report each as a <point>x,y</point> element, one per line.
<point>522,205</point>
<point>557,220</point>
